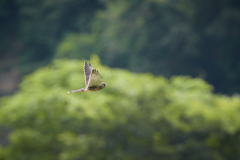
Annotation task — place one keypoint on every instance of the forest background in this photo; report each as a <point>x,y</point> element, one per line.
<point>173,82</point>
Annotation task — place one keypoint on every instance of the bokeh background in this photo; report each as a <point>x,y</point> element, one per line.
<point>172,69</point>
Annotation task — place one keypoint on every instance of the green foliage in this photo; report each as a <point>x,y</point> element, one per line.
<point>137,116</point>
<point>177,37</point>
<point>42,24</point>
<point>187,37</point>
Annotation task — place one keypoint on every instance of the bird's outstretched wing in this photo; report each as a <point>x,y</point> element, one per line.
<point>95,79</point>
<point>87,71</point>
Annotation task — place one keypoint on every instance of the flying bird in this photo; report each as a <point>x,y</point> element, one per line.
<point>93,80</point>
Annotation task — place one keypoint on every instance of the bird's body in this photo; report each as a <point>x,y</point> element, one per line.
<point>93,80</point>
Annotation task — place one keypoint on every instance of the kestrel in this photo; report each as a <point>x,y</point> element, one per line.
<point>93,80</point>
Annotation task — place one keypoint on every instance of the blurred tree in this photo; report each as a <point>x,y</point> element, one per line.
<point>174,37</point>
<point>165,37</point>
<point>43,23</point>
<point>30,30</point>
<point>154,118</point>
<point>224,44</point>
<point>9,46</point>
<point>9,30</point>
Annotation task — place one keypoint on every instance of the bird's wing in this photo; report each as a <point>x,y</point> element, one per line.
<point>87,71</point>
<point>95,79</point>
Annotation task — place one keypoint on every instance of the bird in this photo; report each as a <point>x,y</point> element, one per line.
<point>93,80</point>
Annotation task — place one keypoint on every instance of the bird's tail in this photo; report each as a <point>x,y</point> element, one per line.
<point>79,90</point>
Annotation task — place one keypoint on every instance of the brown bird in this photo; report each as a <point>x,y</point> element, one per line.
<point>93,80</point>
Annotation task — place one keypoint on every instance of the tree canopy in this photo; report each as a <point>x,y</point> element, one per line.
<point>165,62</point>
<point>164,37</point>
<point>137,116</point>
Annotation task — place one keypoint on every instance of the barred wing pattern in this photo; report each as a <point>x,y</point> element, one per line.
<point>87,71</point>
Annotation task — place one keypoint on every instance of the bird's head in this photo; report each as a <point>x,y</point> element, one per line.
<point>103,85</point>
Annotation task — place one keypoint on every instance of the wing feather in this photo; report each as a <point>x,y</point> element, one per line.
<point>87,71</point>
<point>95,79</point>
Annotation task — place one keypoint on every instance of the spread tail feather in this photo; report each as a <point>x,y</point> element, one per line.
<point>79,90</point>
